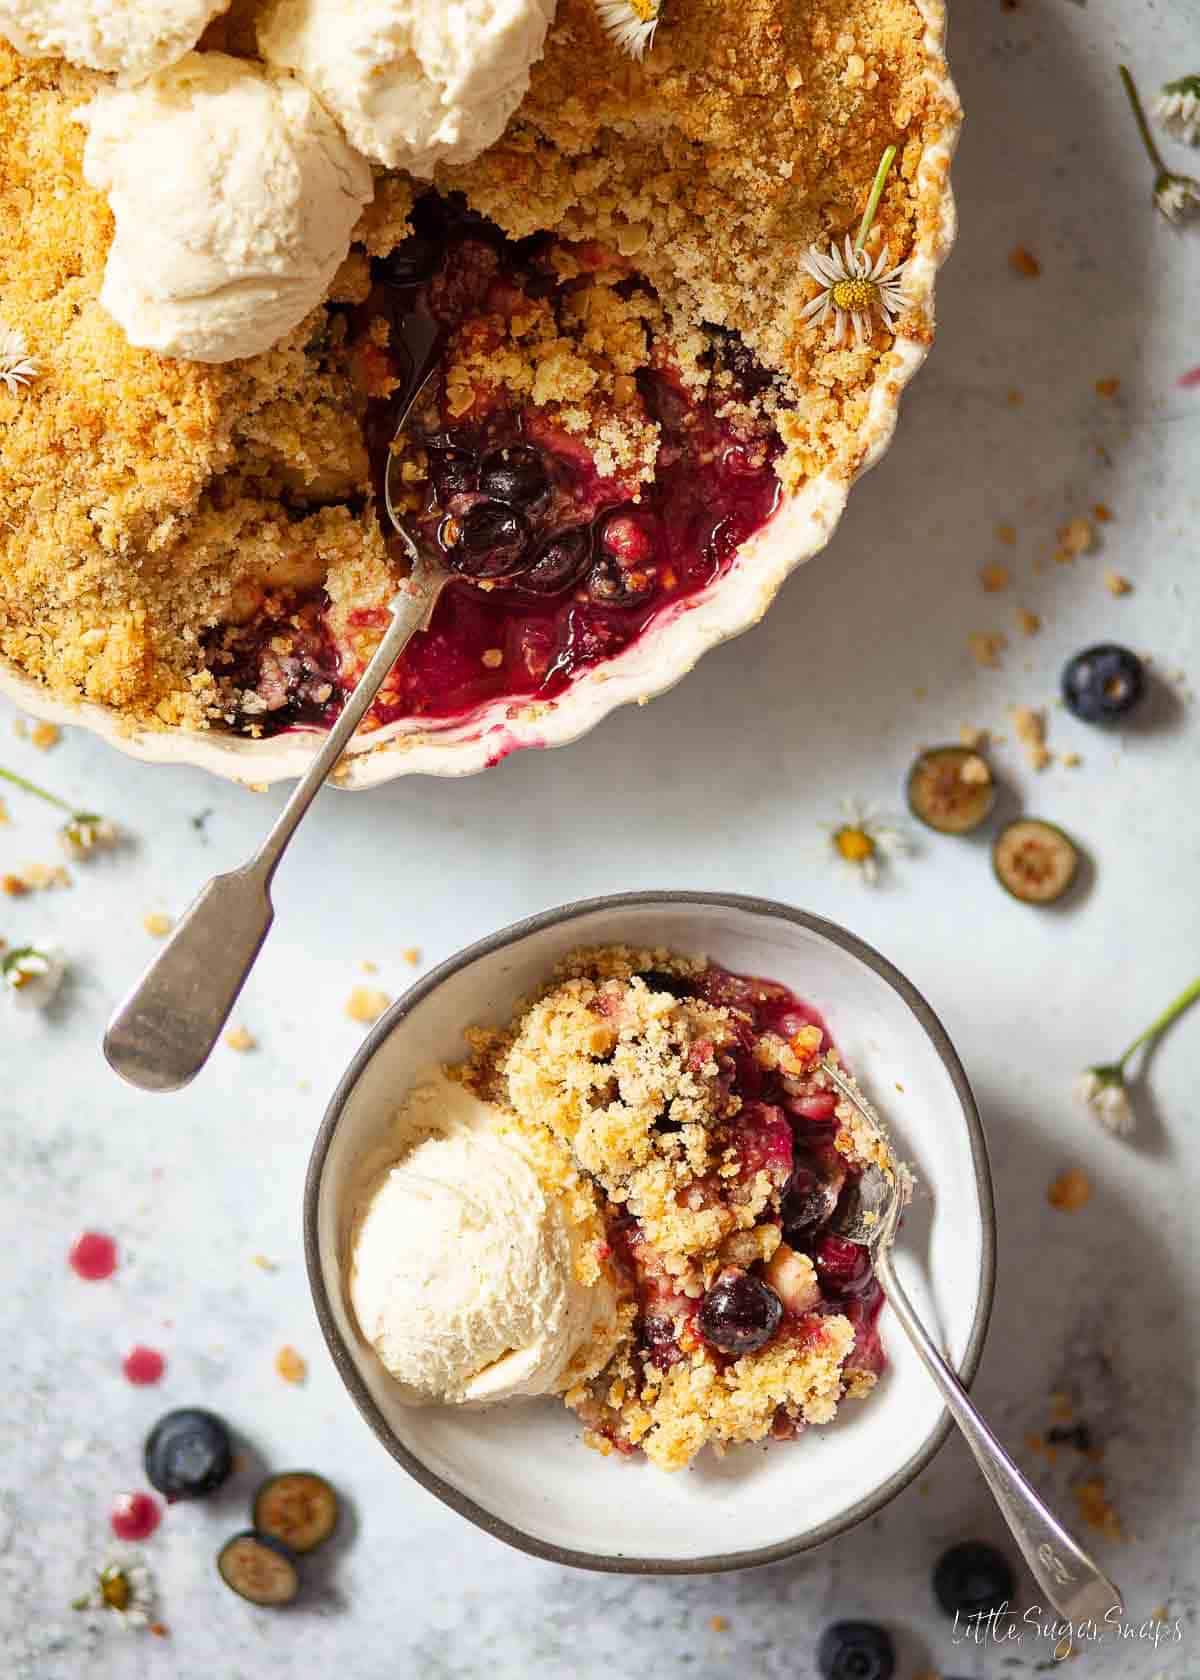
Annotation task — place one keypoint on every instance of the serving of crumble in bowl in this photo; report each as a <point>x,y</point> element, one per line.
<point>664,361</point>
<point>658,1059</point>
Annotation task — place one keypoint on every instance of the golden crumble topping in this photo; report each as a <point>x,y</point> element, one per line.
<point>146,504</point>
<point>624,1065</point>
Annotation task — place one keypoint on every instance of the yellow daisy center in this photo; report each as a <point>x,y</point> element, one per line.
<point>854,844</point>
<point>645,10</point>
<point>854,295</point>
<point>114,1589</point>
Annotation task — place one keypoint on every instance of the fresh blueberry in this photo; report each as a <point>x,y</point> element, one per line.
<point>188,1453</point>
<point>516,474</point>
<point>561,562</point>
<point>1103,683</point>
<point>807,1204</point>
<point>453,471</point>
<point>973,1578</point>
<point>856,1651</point>
<point>491,540</point>
<point>740,1313</point>
<point>843,1267</point>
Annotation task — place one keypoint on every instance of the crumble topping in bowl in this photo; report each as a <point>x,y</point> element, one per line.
<point>695,1103</point>
<point>200,545</point>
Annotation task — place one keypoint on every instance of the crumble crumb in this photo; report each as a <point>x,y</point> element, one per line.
<point>1007,534</point>
<point>157,924</point>
<point>239,1038</point>
<point>718,1624</point>
<point>4,817</point>
<point>1094,1508</point>
<point>41,877</point>
<point>1029,622</point>
<point>45,735</point>
<point>975,770</point>
<point>1029,726</point>
<point>986,646</point>
<point>1076,537</point>
<point>369,967</point>
<point>994,578</point>
<point>1070,1191</point>
<point>1101,512</point>
<point>20,728</point>
<point>1116,584</point>
<point>1108,387</point>
<point>411,955</point>
<point>264,1264</point>
<point>13,886</point>
<point>290,1365</point>
<point>1015,398</point>
<point>1022,261</point>
<point>1070,760</point>
<point>366,1004</point>
<point>969,736</point>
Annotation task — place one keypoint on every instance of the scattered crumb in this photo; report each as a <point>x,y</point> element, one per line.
<point>3,813</point>
<point>994,577</point>
<point>1062,1409</point>
<point>45,735</point>
<point>920,693</point>
<point>1015,398</point>
<point>1095,1509</point>
<point>1116,584</point>
<point>493,658</point>
<point>238,1038</point>
<point>1159,1613</point>
<point>986,646</point>
<point>1108,387</point>
<point>976,739</point>
<point>369,967</point>
<point>1022,260</point>
<point>265,1265</point>
<point>13,886</point>
<point>156,923</point>
<point>1076,537</point>
<point>1102,512</point>
<point>718,1624</point>
<point>366,1004</point>
<point>1070,1191</point>
<point>1007,534</point>
<point>1070,760</point>
<point>1029,621</point>
<point>158,1629</point>
<point>290,1366</point>
<point>255,787</point>
<point>304,1085</point>
<point>412,955</point>
<point>20,728</point>
<point>39,877</point>
<point>1029,726</point>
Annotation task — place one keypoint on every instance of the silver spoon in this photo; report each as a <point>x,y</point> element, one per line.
<point>162,1033</point>
<point>1072,1581</point>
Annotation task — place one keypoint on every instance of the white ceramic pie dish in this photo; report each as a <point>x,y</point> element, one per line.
<point>520,1472</point>
<point>658,660</point>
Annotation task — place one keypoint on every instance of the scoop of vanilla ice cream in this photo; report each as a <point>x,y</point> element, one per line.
<point>462,1272</point>
<point>136,37</point>
<point>414,83</point>
<point>234,196</point>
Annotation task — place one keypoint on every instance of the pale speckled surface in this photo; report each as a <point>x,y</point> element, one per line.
<point>718,785</point>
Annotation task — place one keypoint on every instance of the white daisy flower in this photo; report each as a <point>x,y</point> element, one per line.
<point>863,841</point>
<point>125,1589</point>
<point>17,367</point>
<point>86,832</point>
<point>33,975</point>
<point>852,288</point>
<point>1176,196</point>
<point>1103,1090</point>
<point>630,24</point>
<point>1178,109</point>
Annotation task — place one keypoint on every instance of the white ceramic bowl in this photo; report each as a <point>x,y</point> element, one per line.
<point>656,662</point>
<point>521,1472</point>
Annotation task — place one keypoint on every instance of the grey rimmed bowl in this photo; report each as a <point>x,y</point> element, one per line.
<point>520,1472</point>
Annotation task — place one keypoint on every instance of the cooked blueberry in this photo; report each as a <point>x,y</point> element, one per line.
<point>856,1651</point>
<point>657,980</point>
<point>561,562</point>
<point>188,1453</point>
<point>489,541</point>
<point>453,471</point>
<point>843,1267</point>
<point>740,1313</point>
<point>807,1204</point>
<point>1103,683</point>
<point>610,585</point>
<point>516,474</point>
<point>413,262</point>
<point>748,374</point>
<point>973,1578</point>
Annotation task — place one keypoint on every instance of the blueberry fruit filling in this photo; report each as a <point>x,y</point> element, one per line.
<point>562,549</point>
<point>740,1313</point>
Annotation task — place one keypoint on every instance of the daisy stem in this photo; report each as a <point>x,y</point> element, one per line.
<point>1184,1001</point>
<point>32,787</point>
<point>873,197</point>
<point>1143,126</point>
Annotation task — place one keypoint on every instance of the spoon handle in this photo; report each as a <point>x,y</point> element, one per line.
<point>163,1032</point>
<point>1071,1580</point>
